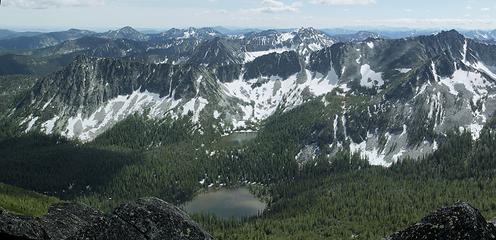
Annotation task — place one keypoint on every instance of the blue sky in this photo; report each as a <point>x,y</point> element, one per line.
<point>163,14</point>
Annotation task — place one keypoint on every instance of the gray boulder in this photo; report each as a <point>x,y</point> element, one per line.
<point>147,219</point>
<point>458,222</point>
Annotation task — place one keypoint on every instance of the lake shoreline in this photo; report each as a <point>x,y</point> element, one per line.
<point>226,203</point>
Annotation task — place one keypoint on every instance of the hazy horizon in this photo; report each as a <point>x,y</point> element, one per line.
<point>159,15</point>
<point>151,30</point>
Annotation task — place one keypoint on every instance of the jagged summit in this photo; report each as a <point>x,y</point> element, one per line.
<point>453,33</point>
<point>416,89</point>
<point>190,32</point>
<point>302,40</point>
<point>217,51</point>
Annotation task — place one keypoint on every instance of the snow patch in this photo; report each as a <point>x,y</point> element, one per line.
<point>49,125</point>
<point>195,106</point>
<point>87,127</point>
<point>374,156</point>
<point>475,83</point>
<point>434,72</point>
<point>260,102</point>
<point>475,130</point>
<point>286,36</point>
<point>403,70</point>
<point>335,127</point>
<point>46,104</point>
<point>397,156</point>
<point>314,47</point>
<point>483,68</point>
<point>216,114</point>
<point>370,78</point>
<point>31,124</point>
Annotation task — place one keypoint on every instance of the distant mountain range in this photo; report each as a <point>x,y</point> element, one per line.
<point>33,40</point>
<point>386,98</point>
<point>298,116</point>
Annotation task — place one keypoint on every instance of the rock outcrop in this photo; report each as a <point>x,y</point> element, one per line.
<point>458,222</point>
<point>147,218</point>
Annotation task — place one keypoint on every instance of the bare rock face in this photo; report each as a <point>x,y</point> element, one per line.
<point>458,222</point>
<point>19,228</point>
<point>62,221</point>
<point>148,218</point>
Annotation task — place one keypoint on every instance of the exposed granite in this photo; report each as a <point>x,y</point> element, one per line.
<point>147,218</point>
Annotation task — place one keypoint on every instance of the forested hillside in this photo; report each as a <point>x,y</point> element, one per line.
<point>373,202</point>
<point>341,140</point>
<point>333,197</point>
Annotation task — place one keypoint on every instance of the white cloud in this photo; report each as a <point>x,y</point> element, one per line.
<point>344,2</point>
<point>276,6</point>
<point>42,4</point>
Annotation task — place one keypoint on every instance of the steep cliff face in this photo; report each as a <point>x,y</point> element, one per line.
<point>457,222</point>
<point>417,90</point>
<point>217,52</point>
<point>282,65</point>
<point>148,218</point>
<point>89,82</point>
<point>92,94</point>
<point>387,98</point>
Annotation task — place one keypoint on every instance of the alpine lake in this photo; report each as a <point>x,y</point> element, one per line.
<point>228,203</point>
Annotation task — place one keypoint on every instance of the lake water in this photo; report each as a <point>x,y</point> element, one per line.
<point>239,137</point>
<point>226,203</point>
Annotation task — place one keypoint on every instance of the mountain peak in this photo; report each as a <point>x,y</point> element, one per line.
<point>450,34</point>
<point>126,32</point>
<point>216,52</point>
<point>128,29</point>
<point>307,29</point>
<point>77,30</point>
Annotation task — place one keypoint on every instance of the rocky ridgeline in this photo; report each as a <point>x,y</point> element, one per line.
<point>458,222</point>
<point>147,218</point>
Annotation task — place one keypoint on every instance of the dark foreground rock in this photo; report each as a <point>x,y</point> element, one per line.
<point>147,219</point>
<point>459,222</point>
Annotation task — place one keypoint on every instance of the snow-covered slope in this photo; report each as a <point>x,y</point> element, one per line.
<point>386,99</point>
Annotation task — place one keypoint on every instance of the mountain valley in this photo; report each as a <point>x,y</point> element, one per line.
<point>347,135</point>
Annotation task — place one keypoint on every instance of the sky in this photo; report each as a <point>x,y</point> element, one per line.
<point>164,14</point>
